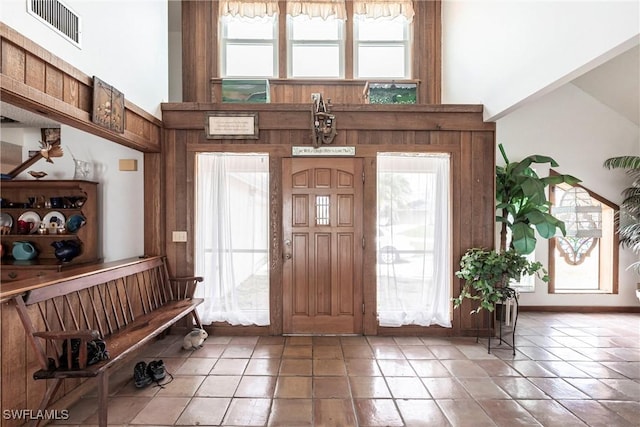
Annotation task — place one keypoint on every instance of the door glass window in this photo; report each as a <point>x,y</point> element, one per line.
<point>322,210</point>
<point>232,237</point>
<point>413,243</point>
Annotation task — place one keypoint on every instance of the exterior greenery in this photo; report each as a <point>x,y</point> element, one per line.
<point>522,202</point>
<point>487,273</point>
<point>628,219</point>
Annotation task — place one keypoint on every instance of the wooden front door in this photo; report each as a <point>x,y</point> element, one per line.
<point>322,230</point>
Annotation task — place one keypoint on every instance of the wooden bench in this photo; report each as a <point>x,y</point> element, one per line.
<point>127,305</point>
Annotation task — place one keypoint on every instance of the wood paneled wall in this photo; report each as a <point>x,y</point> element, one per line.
<point>201,74</point>
<point>457,130</point>
<point>33,79</point>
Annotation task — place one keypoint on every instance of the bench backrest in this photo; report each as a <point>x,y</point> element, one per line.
<point>105,301</point>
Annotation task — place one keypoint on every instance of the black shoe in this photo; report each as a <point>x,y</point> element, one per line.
<point>155,369</point>
<point>140,375</point>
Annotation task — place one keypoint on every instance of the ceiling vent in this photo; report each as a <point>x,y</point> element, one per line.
<point>58,16</point>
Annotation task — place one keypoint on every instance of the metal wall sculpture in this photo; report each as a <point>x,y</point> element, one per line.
<point>323,123</point>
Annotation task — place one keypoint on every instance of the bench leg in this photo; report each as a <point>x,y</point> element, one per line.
<point>103,396</point>
<point>196,318</point>
<point>51,391</point>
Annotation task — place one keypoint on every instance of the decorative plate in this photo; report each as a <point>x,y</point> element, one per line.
<point>31,216</point>
<point>5,220</point>
<point>54,219</point>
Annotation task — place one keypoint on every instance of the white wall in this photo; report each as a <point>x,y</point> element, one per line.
<point>120,204</point>
<point>579,133</point>
<point>501,53</point>
<point>124,43</point>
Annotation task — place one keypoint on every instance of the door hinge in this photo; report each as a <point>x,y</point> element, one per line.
<point>363,177</point>
<point>362,242</point>
<point>362,308</point>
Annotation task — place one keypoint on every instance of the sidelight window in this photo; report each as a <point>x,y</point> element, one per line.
<point>231,237</point>
<point>413,242</point>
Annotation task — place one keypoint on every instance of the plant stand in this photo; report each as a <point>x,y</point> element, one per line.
<point>505,318</point>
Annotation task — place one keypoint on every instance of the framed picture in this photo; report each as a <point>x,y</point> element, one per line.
<point>108,106</point>
<point>231,125</point>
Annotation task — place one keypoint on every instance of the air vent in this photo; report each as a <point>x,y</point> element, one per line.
<point>58,16</point>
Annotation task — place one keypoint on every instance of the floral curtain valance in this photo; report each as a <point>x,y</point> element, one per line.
<point>249,9</point>
<point>384,9</point>
<point>317,8</point>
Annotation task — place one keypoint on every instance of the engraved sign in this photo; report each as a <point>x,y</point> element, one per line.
<point>224,125</point>
<point>298,151</point>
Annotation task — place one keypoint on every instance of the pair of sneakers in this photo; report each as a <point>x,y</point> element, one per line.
<point>144,374</point>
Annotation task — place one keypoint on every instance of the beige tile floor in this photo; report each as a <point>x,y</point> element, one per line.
<point>569,370</point>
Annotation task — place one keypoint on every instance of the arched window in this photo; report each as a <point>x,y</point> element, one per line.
<point>586,259</point>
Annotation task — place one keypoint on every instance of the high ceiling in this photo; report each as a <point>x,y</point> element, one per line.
<point>616,84</point>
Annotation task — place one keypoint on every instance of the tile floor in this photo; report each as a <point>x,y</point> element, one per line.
<point>569,370</point>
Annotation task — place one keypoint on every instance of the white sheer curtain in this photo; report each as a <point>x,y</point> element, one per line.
<point>384,9</point>
<point>248,9</point>
<point>231,237</point>
<point>414,256</point>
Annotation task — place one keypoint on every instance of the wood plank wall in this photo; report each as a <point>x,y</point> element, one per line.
<point>200,65</point>
<point>34,79</point>
<point>457,130</point>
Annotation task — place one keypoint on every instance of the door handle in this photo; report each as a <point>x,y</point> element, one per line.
<point>287,249</point>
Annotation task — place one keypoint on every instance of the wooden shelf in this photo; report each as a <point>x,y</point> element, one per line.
<point>19,192</point>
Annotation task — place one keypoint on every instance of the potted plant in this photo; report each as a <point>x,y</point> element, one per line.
<point>487,273</point>
<point>523,208</point>
<point>628,218</point>
<point>522,204</point>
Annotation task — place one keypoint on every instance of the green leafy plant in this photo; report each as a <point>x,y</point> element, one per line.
<point>522,203</point>
<point>487,274</point>
<point>628,218</point>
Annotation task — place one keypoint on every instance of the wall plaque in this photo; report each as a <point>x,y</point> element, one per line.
<point>227,125</point>
<point>108,106</point>
<point>322,151</point>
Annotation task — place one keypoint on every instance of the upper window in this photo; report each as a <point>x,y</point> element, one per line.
<point>381,47</point>
<point>315,47</point>
<point>316,37</point>
<point>249,46</point>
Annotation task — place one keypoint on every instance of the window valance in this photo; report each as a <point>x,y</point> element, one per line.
<point>249,9</point>
<point>317,8</point>
<point>384,9</point>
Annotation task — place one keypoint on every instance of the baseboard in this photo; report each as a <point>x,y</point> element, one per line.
<point>578,309</point>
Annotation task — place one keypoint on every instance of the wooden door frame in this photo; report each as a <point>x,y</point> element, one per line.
<point>359,164</point>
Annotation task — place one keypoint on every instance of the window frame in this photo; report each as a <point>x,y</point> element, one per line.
<point>291,43</point>
<point>407,43</point>
<point>225,41</point>
<point>608,240</point>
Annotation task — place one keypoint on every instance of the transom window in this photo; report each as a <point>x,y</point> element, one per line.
<point>316,36</point>
<point>249,46</point>
<point>381,47</point>
<point>316,47</point>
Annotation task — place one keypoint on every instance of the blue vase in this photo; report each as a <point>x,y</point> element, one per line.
<point>66,250</point>
<point>24,251</point>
